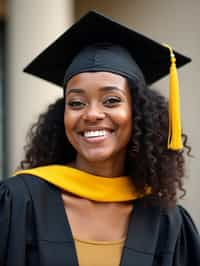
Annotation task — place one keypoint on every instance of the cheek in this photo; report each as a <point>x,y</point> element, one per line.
<point>125,119</point>
<point>69,122</point>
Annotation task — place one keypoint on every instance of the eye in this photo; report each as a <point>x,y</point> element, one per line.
<point>112,101</point>
<point>76,104</point>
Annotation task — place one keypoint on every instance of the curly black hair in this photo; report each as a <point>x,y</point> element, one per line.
<point>148,161</point>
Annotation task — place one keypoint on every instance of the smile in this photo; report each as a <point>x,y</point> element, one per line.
<point>95,133</point>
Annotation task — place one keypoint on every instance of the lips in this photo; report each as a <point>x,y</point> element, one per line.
<point>96,134</point>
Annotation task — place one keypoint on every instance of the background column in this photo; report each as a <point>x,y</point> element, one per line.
<point>32,26</point>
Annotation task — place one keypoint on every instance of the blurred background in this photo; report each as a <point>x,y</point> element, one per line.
<point>27,27</point>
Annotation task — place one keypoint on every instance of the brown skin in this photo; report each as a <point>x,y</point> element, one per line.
<point>97,221</point>
<point>103,101</point>
<point>97,101</point>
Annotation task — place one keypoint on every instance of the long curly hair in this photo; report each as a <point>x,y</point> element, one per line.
<point>148,161</point>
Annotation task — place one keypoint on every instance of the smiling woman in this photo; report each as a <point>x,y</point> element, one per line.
<point>104,165</point>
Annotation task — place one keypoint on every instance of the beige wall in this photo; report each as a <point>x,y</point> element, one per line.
<point>175,22</point>
<point>32,25</point>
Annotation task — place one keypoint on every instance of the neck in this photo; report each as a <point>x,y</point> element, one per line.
<point>111,168</point>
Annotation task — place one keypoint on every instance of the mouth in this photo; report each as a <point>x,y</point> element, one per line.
<point>96,135</point>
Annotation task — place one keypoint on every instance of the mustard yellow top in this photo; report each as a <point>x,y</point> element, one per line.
<point>98,253</point>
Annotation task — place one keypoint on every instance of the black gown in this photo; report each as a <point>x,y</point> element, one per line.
<point>34,230</point>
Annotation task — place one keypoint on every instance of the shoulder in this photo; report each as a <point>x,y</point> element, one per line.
<point>177,216</point>
<point>177,239</point>
<point>20,186</point>
<point>172,215</point>
<point>179,228</point>
<point>168,216</point>
<point>172,224</point>
<point>187,244</point>
<point>174,219</point>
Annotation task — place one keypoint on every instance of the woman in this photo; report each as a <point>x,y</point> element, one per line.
<point>98,184</point>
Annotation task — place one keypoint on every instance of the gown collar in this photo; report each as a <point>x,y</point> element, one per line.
<point>53,227</point>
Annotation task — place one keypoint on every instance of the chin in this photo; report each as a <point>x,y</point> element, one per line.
<point>95,156</point>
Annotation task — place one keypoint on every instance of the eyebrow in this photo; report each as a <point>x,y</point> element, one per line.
<point>105,88</point>
<point>74,90</point>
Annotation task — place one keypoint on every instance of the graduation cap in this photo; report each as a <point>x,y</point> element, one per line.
<point>97,43</point>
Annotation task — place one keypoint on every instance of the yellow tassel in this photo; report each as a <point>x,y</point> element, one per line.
<point>174,136</point>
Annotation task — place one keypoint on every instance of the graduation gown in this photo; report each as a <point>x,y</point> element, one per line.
<point>34,230</point>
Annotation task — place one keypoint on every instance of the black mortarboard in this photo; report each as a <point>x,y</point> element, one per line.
<point>153,58</point>
<point>80,48</point>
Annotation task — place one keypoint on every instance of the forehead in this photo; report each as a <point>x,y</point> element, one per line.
<point>97,79</point>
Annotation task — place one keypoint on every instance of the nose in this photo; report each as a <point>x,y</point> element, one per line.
<point>93,113</point>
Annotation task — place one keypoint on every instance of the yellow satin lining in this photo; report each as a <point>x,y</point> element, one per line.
<point>82,184</point>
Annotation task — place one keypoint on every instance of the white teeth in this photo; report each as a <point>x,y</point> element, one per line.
<point>96,133</point>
